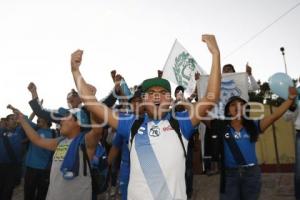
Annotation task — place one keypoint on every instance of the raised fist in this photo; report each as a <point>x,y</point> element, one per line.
<point>292,93</point>
<point>197,76</point>
<point>113,74</point>
<point>15,111</point>
<point>248,70</point>
<point>31,87</point>
<point>76,59</point>
<point>159,73</point>
<point>117,80</point>
<point>211,42</point>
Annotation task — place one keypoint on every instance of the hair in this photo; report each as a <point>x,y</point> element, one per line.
<point>72,93</point>
<point>179,88</point>
<point>247,124</point>
<point>10,115</point>
<point>229,65</point>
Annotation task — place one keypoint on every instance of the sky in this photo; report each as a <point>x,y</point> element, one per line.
<point>134,37</point>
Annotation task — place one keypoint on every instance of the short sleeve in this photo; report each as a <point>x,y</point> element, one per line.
<point>124,124</point>
<point>185,124</point>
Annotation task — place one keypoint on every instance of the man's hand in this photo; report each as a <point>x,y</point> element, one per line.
<point>159,73</point>
<point>32,89</point>
<point>292,93</point>
<point>197,76</point>
<point>211,42</point>
<point>13,109</point>
<point>248,69</point>
<point>76,59</point>
<point>113,74</point>
<point>117,81</point>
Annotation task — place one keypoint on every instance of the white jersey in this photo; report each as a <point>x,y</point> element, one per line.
<point>157,162</point>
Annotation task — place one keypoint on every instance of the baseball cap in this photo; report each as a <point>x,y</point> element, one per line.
<point>152,82</point>
<point>232,99</point>
<point>63,112</point>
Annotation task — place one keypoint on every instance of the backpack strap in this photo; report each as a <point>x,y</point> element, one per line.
<point>175,125</point>
<point>86,160</point>
<point>135,127</point>
<point>234,148</point>
<point>9,150</point>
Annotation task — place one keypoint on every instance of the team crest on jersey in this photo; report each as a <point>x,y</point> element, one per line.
<point>154,131</point>
<point>227,135</point>
<point>141,130</point>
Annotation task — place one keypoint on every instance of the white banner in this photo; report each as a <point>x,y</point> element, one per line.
<point>232,84</point>
<point>180,68</point>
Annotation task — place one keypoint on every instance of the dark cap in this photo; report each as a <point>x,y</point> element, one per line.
<point>232,99</point>
<point>228,66</point>
<point>152,82</point>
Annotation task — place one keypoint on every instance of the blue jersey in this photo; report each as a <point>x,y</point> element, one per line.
<point>15,139</point>
<point>37,157</point>
<point>245,145</point>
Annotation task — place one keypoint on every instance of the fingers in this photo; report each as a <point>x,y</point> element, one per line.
<point>197,76</point>
<point>211,42</point>
<point>208,38</point>
<point>76,58</point>
<point>9,106</point>
<point>15,110</point>
<point>77,55</point>
<point>292,91</point>
<point>113,74</point>
<point>159,73</point>
<point>31,86</point>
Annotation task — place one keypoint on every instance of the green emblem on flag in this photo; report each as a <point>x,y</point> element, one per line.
<point>184,68</point>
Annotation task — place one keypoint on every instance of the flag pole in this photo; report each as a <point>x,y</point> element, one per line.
<point>283,55</point>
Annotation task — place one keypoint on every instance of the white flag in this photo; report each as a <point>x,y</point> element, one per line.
<point>180,68</point>
<point>232,84</point>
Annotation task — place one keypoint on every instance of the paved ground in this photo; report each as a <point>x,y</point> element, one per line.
<point>276,186</point>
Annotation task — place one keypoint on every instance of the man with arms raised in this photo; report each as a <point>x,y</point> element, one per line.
<point>157,150</point>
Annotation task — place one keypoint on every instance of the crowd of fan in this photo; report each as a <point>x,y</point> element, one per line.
<point>146,139</point>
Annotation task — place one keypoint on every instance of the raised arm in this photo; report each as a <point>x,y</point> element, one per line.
<point>214,82</point>
<point>252,83</point>
<point>93,137</point>
<point>268,120</point>
<point>36,105</point>
<point>100,110</point>
<point>33,136</point>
